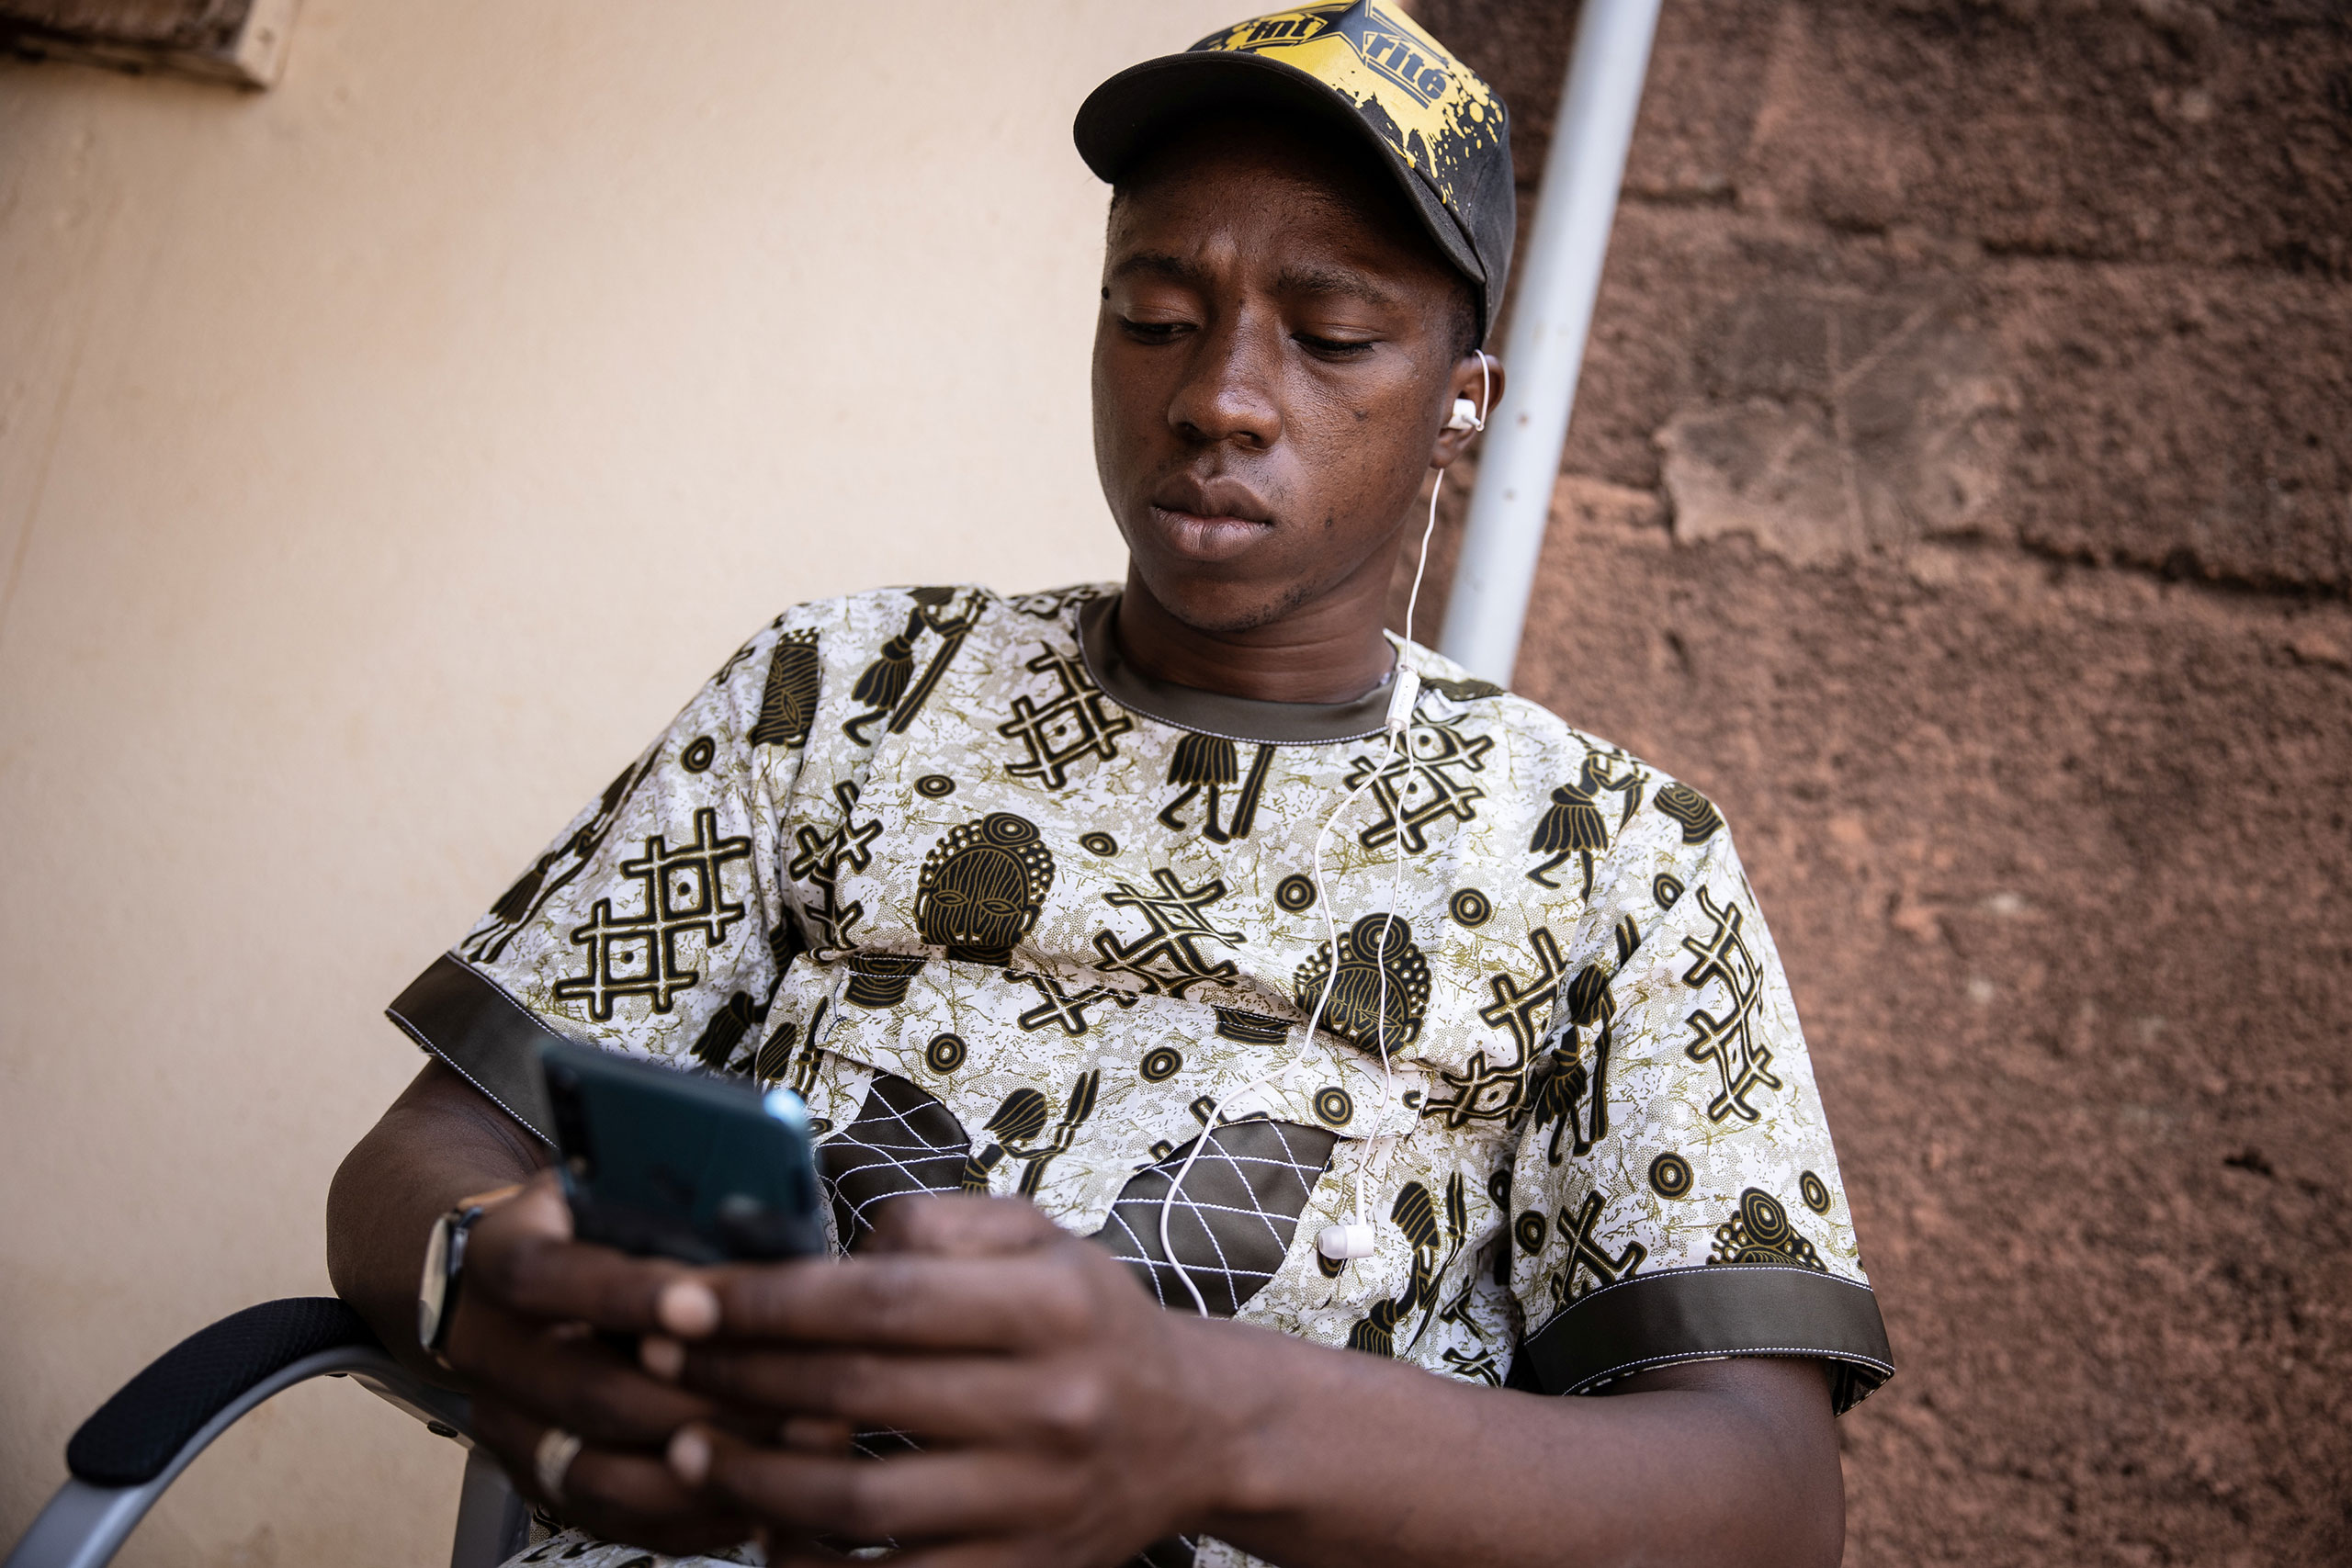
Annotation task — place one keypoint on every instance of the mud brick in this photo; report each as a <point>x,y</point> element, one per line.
<point>2141,129</point>
<point>2118,129</point>
<point>2185,419</point>
<point>2058,860</point>
<point>1962,496</point>
<point>1706,81</point>
<point>2192,419</point>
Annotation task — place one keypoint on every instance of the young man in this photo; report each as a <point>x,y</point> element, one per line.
<point>1033,900</point>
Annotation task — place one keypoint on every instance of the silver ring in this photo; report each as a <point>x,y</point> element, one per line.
<point>551,1460</point>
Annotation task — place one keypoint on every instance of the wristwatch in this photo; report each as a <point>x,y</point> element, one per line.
<point>445,1263</point>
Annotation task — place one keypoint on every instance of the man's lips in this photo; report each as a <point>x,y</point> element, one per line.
<point>1209,520</point>
<point>1207,538</point>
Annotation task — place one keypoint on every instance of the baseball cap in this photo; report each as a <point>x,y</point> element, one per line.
<point>1363,68</point>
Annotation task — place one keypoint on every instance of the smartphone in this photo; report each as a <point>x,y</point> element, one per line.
<point>682,1163</point>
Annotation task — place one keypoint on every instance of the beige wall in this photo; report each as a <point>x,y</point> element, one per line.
<point>382,460</point>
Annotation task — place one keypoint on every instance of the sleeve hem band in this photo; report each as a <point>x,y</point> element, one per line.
<point>1711,1312</point>
<point>485,1035</point>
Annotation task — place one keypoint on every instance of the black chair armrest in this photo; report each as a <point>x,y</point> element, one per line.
<point>135,1435</point>
<point>137,1444</point>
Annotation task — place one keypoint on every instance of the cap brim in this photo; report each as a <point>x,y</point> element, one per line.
<point>1119,117</point>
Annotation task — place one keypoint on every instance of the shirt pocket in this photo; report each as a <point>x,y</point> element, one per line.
<point>947,1076</point>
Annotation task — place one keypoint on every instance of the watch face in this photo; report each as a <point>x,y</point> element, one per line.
<point>432,1290</point>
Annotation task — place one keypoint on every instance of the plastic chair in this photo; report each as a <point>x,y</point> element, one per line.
<point>156,1424</point>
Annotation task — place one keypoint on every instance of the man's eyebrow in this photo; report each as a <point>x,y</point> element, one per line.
<point>1161,263</point>
<point>1329,282</point>
<point>1337,282</point>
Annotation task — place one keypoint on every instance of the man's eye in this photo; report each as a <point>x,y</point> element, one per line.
<point>1332,347</point>
<point>1153,332</point>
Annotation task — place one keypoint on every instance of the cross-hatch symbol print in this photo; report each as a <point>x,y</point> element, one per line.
<point>1168,958</point>
<point>1068,1008</point>
<point>638,956</point>
<point>1490,1092</point>
<point>1522,1007</point>
<point>820,857</point>
<point>1730,1040</point>
<point>1584,1253</point>
<point>1417,791</point>
<point>1076,721</point>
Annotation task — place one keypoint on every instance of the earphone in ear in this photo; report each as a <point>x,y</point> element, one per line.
<point>1466,416</point>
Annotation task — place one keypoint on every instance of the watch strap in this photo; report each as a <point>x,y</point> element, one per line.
<point>459,1224</point>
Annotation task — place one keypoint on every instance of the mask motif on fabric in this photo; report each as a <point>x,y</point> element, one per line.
<point>1356,1011</point>
<point>983,886</point>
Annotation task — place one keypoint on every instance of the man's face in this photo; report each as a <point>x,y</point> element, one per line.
<point>1274,360</point>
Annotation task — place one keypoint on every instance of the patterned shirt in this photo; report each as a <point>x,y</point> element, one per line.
<point>1015,917</point>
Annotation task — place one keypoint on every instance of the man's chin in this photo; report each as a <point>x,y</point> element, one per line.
<point>1221,607</point>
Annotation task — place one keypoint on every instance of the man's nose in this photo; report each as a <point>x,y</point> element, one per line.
<point>1227,394</point>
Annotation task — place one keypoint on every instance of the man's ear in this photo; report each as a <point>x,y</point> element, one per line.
<point>1479,378</point>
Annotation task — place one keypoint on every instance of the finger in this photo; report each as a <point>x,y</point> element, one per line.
<point>537,1208</point>
<point>912,1301</point>
<point>666,1359</point>
<point>661,1357</point>
<point>514,1258</point>
<point>571,1381</point>
<point>955,1399</point>
<point>817,1435</point>
<point>908,1497</point>
<point>959,1225</point>
<point>497,1195</point>
<point>525,1268</point>
<point>623,1496</point>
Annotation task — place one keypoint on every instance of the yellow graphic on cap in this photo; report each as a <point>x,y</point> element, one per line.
<point>1426,105</point>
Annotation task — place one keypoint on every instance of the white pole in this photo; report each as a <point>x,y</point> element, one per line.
<point>1544,350</point>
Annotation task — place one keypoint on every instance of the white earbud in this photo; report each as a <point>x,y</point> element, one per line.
<point>1342,1243</point>
<point>1465,415</point>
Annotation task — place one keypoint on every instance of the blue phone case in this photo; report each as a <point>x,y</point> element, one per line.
<point>681,1163</point>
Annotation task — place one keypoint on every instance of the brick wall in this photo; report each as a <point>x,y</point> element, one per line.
<point>1961,492</point>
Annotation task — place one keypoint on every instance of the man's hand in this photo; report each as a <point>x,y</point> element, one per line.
<point>1067,1419</point>
<point>525,1337</point>
<point>1057,1404</point>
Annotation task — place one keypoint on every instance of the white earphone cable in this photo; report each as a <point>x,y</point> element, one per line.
<point>1399,744</point>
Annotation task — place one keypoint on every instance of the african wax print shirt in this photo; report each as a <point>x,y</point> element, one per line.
<point>1015,917</point>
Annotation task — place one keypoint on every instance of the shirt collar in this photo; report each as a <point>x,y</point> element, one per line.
<point>1217,713</point>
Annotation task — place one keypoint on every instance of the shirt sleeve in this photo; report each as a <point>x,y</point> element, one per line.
<point>1675,1193</point>
<point>658,923</point>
